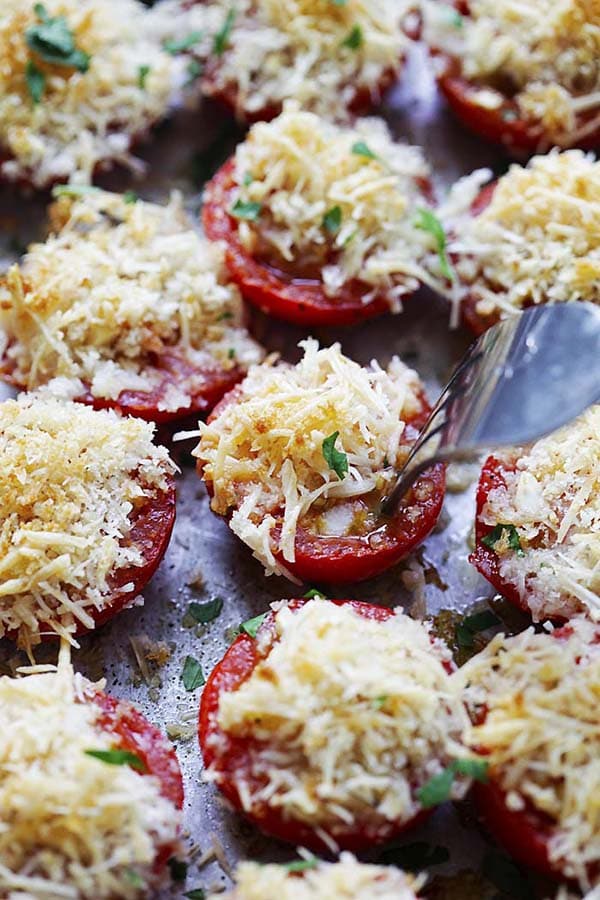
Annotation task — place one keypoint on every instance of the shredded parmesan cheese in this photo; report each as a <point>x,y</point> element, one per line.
<point>541,733</point>
<point>324,55</point>
<point>117,287</point>
<point>263,455</point>
<point>537,241</point>
<point>349,717</point>
<point>543,54</point>
<point>299,167</point>
<point>83,119</point>
<point>346,879</point>
<point>553,500</point>
<point>73,827</point>
<point>69,479</point>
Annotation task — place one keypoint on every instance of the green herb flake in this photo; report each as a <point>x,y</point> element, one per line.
<point>192,674</point>
<point>134,878</point>
<point>332,220</point>
<point>474,768</point>
<point>362,149</point>
<point>335,459</point>
<point>203,613</point>
<point>339,2</point>
<point>247,179</point>
<point>428,221</point>
<point>222,37</point>
<point>73,190</point>
<point>53,41</point>
<point>196,894</point>
<point>301,865</point>
<point>231,353</point>
<point>354,39</point>
<point>249,211</point>
<point>193,71</point>
<point>143,72</point>
<point>225,316</point>
<point>117,758</point>
<point>470,626</point>
<point>379,702</point>
<point>251,626</point>
<point>310,595</point>
<point>455,19</point>
<point>497,534</point>
<point>439,788</point>
<point>180,45</point>
<point>36,82</point>
<point>178,869</point>
<point>130,197</point>
<point>416,856</point>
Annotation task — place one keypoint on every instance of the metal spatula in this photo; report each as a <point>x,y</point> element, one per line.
<point>522,379</point>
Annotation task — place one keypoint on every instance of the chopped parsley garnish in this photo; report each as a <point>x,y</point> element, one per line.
<point>247,179</point>
<point>178,869</point>
<point>332,220</point>
<point>192,674</point>
<point>231,353</point>
<point>134,878</point>
<point>379,702</point>
<point>224,316</point>
<point>117,758</point>
<point>130,197</point>
<point>193,71</point>
<point>335,459</point>
<point>249,211</point>
<point>73,190</point>
<point>439,788</point>
<point>251,626</point>
<point>143,72</point>
<point>180,45</point>
<point>362,149</point>
<point>353,40</point>
<point>497,534</point>
<point>339,2</point>
<point>54,42</point>
<point>310,595</point>
<point>427,221</point>
<point>202,613</point>
<point>301,865</point>
<point>455,19</point>
<point>471,625</point>
<point>222,36</point>
<point>416,856</point>
<point>36,82</point>
<point>196,894</point>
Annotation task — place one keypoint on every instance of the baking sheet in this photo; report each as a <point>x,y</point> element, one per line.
<point>205,561</point>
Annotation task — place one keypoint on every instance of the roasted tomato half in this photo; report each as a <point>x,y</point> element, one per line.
<point>381,541</point>
<point>232,755</point>
<point>293,295</point>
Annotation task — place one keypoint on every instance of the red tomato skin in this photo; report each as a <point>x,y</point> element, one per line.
<point>235,668</point>
<point>335,560</point>
<point>300,302</point>
<point>471,318</point>
<point>133,732</point>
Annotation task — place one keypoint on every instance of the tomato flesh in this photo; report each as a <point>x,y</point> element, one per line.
<point>301,300</point>
<point>232,756</point>
<point>348,559</point>
<point>133,732</point>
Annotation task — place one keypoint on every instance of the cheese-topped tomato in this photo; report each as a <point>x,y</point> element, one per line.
<point>326,727</point>
<point>87,505</point>
<point>529,238</point>
<point>346,879</point>
<point>90,792</point>
<point>525,74</point>
<point>538,522</point>
<point>298,458</point>
<point>124,305</point>
<point>80,81</point>
<point>534,702</point>
<point>333,58</point>
<point>325,224</point>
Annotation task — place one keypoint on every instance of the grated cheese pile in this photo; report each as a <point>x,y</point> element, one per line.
<point>69,479</point>
<point>542,733</point>
<point>298,49</point>
<point>116,285</point>
<point>73,827</point>
<point>299,167</point>
<point>538,240</point>
<point>263,455</point>
<point>553,500</point>
<point>543,54</point>
<point>83,119</point>
<point>346,879</point>
<point>350,714</point>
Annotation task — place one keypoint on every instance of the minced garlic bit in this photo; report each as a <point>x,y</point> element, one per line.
<point>73,827</point>
<point>537,241</point>
<point>320,53</point>
<point>57,122</point>
<point>351,716</point>
<point>553,500</point>
<point>541,733</point>
<point>351,193</point>
<point>69,479</point>
<point>543,54</point>
<point>264,453</point>
<point>116,286</point>
<point>346,879</point>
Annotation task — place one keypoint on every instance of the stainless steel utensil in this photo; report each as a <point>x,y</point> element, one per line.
<point>522,379</point>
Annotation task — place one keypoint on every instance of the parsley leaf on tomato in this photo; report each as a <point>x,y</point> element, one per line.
<point>354,39</point>
<point>428,221</point>
<point>251,626</point>
<point>439,788</point>
<point>249,211</point>
<point>497,534</point>
<point>53,41</point>
<point>117,758</point>
<point>335,459</point>
<point>360,148</point>
<point>222,36</point>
